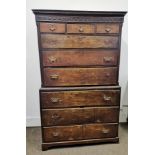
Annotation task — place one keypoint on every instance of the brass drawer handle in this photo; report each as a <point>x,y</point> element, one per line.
<point>107,74</point>
<point>108,59</point>
<point>105,131</point>
<point>54,76</point>
<point>107,30</point>
<point>81,29</point>
<point>55,100</point>
<point>52,28</point>
<point>55,134</point>
<point>55,117</point>
<point>52,59</point>
<point>106,98</point>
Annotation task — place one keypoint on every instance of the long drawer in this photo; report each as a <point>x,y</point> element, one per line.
<point>76,98</point>
<point>79,116</point>
<point>79,76</point>
<point>80,57</point>
<point>78,132</point>
<point>76,41</point>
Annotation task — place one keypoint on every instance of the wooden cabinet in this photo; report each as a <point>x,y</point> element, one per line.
<point>79,61</point>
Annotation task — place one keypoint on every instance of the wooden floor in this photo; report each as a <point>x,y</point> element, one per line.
<point>34,145</point>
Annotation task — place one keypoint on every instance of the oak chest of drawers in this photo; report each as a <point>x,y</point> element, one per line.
<point>79,60</point>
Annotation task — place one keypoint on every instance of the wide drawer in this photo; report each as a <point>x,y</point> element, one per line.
<point>62,133</point>
<point>79,116</point>
<point>107,28</point>
<point>80,57</point>
<point>79,76</point>
<point>50,99</point>
<point>52,27</point>
<point>77,41</point>
<point>92,131</point>
<point>79,132</point>
<point>80,28</point>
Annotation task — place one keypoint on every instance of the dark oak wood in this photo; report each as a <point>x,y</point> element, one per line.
<point>79,76</point>
<point>76,41</point>
<point>80,98</point>
<point>107,28</point>
<point>80,57</point>
<point>79,116</point>
<point>79,60</point>
<point>62,133</point>
<point>80,28</point>
<point>52,27</point>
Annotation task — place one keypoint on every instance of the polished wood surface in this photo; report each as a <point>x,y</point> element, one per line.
<point>79,76</point>
<point>80,28</point>
<point>80,57</point>
<point>79,116</point>
<point>80,98</point>
<point>76,41</point>
<point>107,28</point>
<point>52,27</point>
<point>62,133</point>
<point>79,60</point>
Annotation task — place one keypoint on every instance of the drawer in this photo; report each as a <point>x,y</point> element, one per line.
<point>107,28</point>
<point>106,115</point>
<point>79,76</point>
<point>50,99</point>
<point>80,28</point>
<point>67,116</point>
<point>62,133</point>
<point>93,131</point>
<point>77,41</point>
<point>52,27</point>
<point>80,57</point>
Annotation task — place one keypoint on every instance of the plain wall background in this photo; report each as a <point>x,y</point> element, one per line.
<point>33,71</point>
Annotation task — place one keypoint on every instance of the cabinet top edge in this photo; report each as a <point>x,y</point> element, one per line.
<point>78,12</point>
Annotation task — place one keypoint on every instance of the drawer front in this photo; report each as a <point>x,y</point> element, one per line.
<point>62,133</point>
<point>93,131</point>
<point>52,27</point>
<point>76,41</point>
<point>106,115</point>
<point>80,28</point>
<point>67,116</point>
<point>107,28</point>
<point>80,57</point>
<point>79,76</point>
<point>80,98</point>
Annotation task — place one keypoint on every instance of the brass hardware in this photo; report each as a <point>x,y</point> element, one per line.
<point>52,28</point>
<point>80,29</point>
<point>54,76</point>
<point>55,134</point>
<point>108,59</point>
<point>56,116</point>
<point>107,30</point>
<point>107,74</point>
<point>105,131</point>
<point>55,100</point>
<point>52,59</point>
<point>106,98</point>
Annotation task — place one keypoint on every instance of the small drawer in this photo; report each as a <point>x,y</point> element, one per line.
<point>80,28</point>
<point>52,27</point>
<point>62,133</point>
<point>106,115</point>
<point>81,57</point>
<point>51,99</point>
<point>79,76</point>
<point>107,28</point>
<point>94,131</point>
<point>67,116</point>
